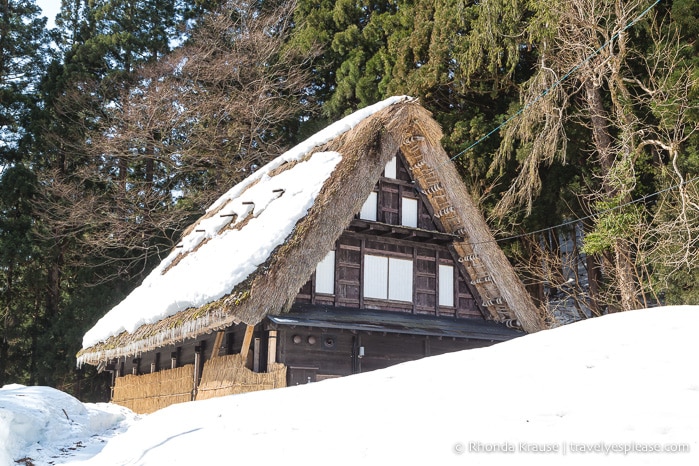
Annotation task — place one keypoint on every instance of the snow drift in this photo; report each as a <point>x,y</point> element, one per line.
<point>620,389</point>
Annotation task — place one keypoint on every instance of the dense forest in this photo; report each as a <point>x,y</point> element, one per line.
<point>574,123</point>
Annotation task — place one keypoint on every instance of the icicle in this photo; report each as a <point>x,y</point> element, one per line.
<point>469,258</point>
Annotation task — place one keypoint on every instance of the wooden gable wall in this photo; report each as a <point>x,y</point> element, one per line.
<point>427,247</point>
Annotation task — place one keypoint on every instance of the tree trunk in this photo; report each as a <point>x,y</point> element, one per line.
<point>594,278</point>
<point>622,260</point>
<point>599,118</point>
<point>53,286</point>
<point>4,354</point>
<point>4,343</point>
<point>626,276</point>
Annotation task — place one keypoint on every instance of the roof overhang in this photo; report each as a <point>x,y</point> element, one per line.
<point>368,320</point>
<point>386,230</point>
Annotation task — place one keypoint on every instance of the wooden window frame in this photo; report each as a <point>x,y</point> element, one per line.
<point>387,292</point>
<point>326,268</point>
<point>366,207</point>
<point>442,293</point>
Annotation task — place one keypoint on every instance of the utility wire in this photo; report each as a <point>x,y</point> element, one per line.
<point>558,83</point>
<point>597,214</point>
<point>541,96</point>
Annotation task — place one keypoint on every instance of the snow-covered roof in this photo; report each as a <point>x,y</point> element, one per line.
<point>240,231</point>
<point>237,234</point>
<point>259,243</point>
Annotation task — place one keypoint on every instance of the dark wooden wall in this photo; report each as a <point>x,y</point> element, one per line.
<point>425,254</point>
<point>349,252</point>
<point>326,353</point>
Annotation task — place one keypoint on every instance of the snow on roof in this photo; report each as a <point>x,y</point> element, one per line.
<point>237,234</point>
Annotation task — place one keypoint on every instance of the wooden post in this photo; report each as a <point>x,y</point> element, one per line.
<point>272,349</point>
<point>197,363</point>
<point>245,349</point>
<point>115,374</point>
<point>217,344</point>
<point>256,356</point>
<point>436,282</point>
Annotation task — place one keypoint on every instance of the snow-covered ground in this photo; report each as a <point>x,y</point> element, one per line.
<point>619,389</point>
<point>41,426</point>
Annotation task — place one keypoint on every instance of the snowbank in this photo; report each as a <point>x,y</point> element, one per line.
<point>45,424</point>
<point>616,390</point>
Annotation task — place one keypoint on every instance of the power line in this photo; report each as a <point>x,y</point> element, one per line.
<point>597,214</point>
<point>541,96</point>
<point>559,81</point>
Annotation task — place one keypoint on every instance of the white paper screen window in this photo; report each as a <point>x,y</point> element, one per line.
<point>400,279</point>
<point>409,212</point>
<point>368,211</point>
<point>446,285</point>
<point>325,274</point>
<point>375,277</point>
<point>390,170</point>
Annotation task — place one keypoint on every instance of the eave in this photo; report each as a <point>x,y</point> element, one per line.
<point>367,320</point>
<point>400,232</point>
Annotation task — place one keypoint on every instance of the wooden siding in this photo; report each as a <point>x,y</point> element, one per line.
<point>350,252</point>
<point>308,356</point>
<point>426,256</point>
<point>184,352</point>
<point>386,203</point>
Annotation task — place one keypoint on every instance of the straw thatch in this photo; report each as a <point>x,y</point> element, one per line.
<point>492,274</point>
<point>227,375</point>
<point>148,393</point>
<point>365,151</point>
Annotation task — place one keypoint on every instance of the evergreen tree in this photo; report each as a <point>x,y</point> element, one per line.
<point>23,50</point>
<point>23,54</point>
<point>618,95</point>
<point>132,142</point>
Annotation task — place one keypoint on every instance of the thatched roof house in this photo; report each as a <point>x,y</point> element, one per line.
<point>257,246</point>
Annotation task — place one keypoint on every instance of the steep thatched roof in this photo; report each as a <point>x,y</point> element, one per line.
<point>357,158</point>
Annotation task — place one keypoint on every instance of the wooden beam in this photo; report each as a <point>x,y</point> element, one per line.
<point>272,348</point>
<point>197,366</point>
<point>428,239</point>
<point>256,356</point>
<point>216,350</point>
<point>245,349</point>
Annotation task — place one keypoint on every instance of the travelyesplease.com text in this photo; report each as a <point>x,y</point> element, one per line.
<point>564,448</point>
